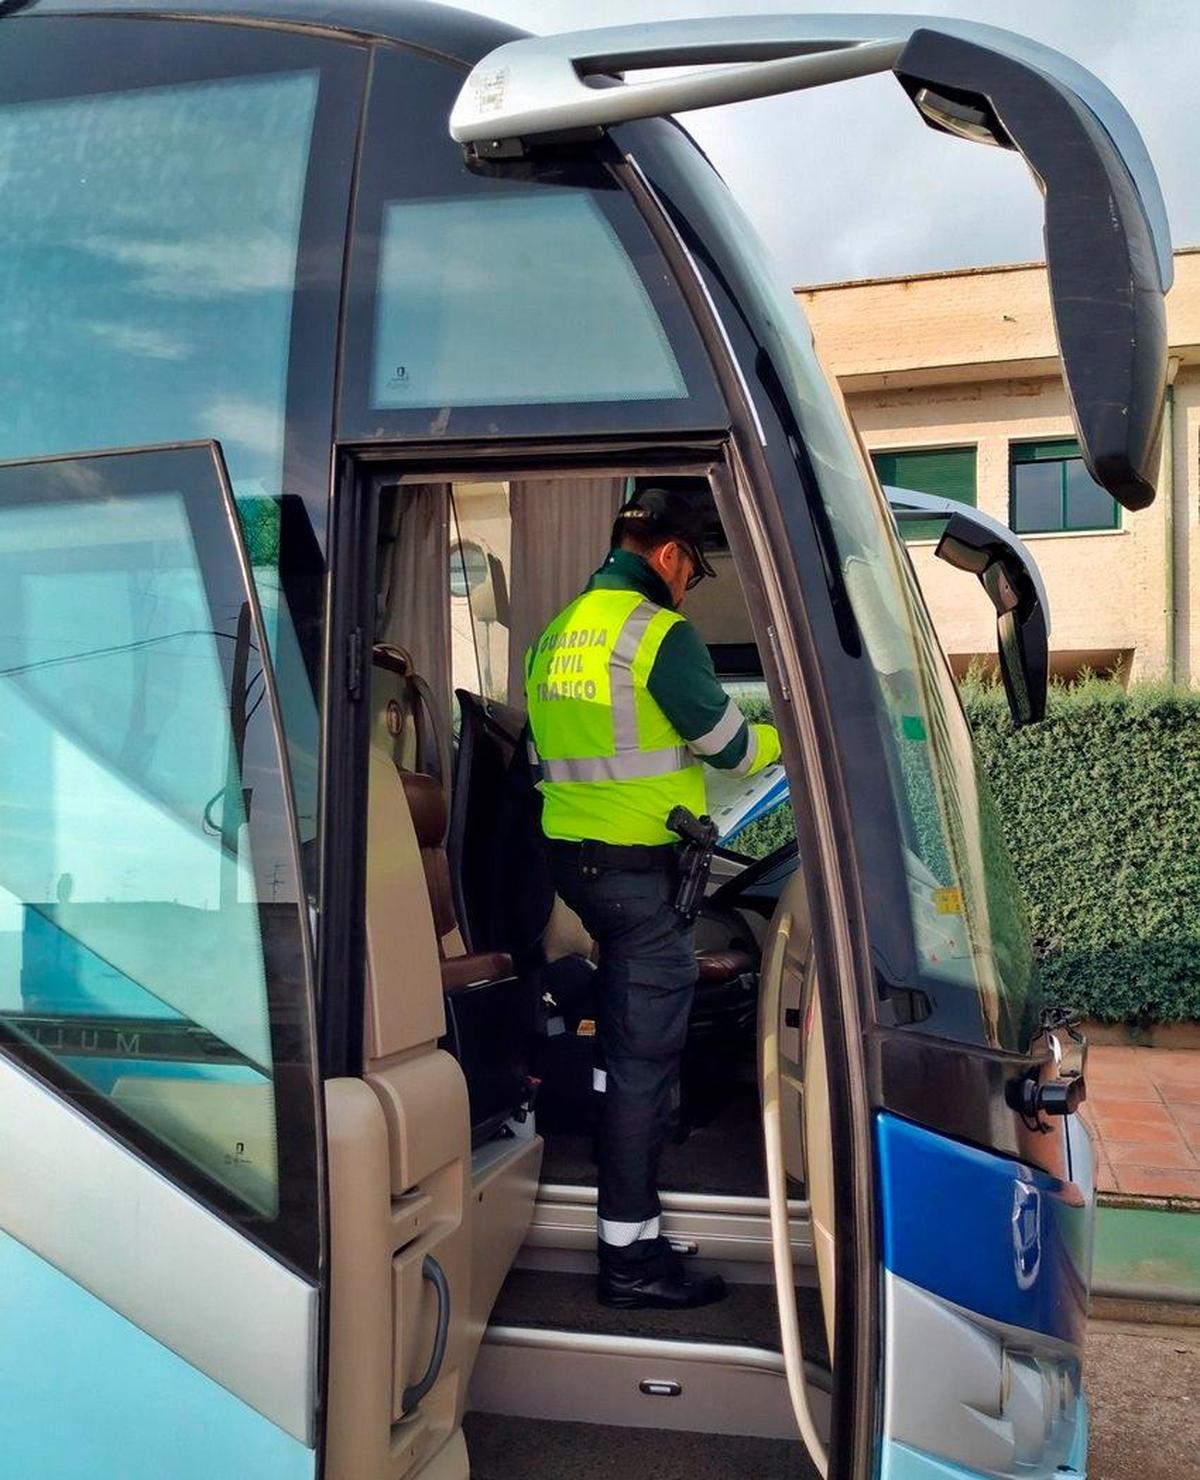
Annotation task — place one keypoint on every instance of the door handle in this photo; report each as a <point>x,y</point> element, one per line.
<point>432,1271</point>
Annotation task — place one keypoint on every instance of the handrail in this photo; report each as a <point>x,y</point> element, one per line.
<point>432,1271</point>
<point>550,89</point>
<point>785,1279</point>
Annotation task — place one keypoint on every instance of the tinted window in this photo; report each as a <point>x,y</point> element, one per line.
<point>515,298</point>
<point>149,254</point>
<point>170,269</point>
<point>523,298</point>
<point>151,943</point>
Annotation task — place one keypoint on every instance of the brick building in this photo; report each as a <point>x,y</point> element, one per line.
<point>953,381</point>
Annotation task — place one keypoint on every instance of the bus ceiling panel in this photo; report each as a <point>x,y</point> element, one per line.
<point>1108,246</point>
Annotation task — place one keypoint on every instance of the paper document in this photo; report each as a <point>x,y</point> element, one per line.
<point>734,802</point>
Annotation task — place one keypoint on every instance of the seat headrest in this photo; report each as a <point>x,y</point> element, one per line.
<point>427,803</point>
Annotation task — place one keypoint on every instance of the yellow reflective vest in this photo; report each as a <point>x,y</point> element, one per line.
<point>611,764</point>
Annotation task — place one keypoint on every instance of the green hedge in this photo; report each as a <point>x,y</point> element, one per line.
<point>1101,808</point>
<point>1100,804</point>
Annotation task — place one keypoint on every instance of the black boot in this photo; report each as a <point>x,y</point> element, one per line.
<point>653,1278</point>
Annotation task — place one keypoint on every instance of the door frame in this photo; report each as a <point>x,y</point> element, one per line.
<point>753,524</point>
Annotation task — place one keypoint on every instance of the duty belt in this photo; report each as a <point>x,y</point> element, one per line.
<point>591,855</point>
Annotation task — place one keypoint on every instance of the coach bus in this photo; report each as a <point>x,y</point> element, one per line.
<point>335,334</point>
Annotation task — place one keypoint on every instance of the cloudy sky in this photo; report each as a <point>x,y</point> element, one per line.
<point>846,181</point>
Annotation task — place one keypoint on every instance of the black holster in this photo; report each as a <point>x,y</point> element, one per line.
<point>699,838</point>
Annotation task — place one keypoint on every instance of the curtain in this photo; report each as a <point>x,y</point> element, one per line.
<point>560,534</point>
<point>414,582</point>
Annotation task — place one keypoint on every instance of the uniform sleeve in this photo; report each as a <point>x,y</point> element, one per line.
<point>687,690</point>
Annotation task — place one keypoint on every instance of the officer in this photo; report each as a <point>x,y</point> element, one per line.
<point>623,707</point>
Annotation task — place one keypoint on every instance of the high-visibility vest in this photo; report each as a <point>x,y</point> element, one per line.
<point>612,765</point>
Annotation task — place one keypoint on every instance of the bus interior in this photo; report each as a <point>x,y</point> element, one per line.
<point>461,907</point>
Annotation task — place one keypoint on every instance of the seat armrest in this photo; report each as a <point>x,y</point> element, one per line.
<point>461,972</point>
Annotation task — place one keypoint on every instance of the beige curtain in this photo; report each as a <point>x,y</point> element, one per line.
<point>414,581</point>
<point>560,534</point>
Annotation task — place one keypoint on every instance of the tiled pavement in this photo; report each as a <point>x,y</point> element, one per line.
<point>1143,1107</point>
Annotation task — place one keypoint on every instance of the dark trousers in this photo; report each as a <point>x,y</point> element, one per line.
<point>647,962</point>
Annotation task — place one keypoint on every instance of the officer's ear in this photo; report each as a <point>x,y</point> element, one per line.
<point>666,555</point>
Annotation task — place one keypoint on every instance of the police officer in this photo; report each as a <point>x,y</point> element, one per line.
<point>624,706</point>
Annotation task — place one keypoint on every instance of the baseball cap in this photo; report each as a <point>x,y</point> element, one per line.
<point>668,514</point>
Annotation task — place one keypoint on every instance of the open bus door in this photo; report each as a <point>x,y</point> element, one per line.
<point>900,1033</point>
<point>162,1198</point>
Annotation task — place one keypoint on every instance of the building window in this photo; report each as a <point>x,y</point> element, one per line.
<point>1051,490</point>
<point>948,472</point>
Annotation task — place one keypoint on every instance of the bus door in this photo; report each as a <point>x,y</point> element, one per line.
<point>161,1223</point>
<point>900,1024</point>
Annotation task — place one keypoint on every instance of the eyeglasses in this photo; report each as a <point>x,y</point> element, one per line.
<point>698,572</point>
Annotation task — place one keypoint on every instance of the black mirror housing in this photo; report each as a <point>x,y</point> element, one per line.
<point>1106,276</point>
<point>1023,638</point>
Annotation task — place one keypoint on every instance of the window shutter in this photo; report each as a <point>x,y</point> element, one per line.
<point>948,472</point>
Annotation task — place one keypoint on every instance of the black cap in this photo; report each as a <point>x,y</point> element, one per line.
<point>669,515</point>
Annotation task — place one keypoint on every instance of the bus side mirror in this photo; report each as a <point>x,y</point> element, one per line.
<point>1108,250</point>
<point>1023,639</point>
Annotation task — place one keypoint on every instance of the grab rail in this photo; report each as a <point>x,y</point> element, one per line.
<point>432,1271</point>
<point>785,1280</point>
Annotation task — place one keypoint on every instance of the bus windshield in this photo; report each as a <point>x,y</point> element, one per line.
<point>974,958</point>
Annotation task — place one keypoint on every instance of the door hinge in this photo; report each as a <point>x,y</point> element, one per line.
<point>354,663</point>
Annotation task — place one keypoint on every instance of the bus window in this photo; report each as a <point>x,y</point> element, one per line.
<point>150,245</point>
<point>540,304</point>
<point>490,302</point>
<point>160,209</point>
<point>149,920</point>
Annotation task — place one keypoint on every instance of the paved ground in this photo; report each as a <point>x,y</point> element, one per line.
<point>1143,1387</point>
<point>1143,1106</point>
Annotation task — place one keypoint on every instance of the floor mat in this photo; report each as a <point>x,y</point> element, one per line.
<point>567,1302</point>
<point>504,1448</point>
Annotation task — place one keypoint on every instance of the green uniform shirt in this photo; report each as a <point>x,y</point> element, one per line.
<point>683,681</point>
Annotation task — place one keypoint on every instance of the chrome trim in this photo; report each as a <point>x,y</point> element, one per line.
<point>539,84</point>
<point>683,1202</point>
<point>757,1358</point>
<point>80,1200</point>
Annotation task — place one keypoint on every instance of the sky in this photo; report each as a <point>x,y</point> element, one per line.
<point>847,182</point>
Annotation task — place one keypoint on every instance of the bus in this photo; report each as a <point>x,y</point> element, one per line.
<point>335,336</point>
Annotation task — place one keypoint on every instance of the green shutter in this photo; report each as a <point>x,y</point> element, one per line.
<point>1063,447</point>
<point>948,472</point>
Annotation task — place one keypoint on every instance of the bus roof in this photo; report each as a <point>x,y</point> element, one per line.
<point>456,34</point>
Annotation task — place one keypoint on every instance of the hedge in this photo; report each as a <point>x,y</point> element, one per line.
<point>1101,808</point>
<point>1100,805</point>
